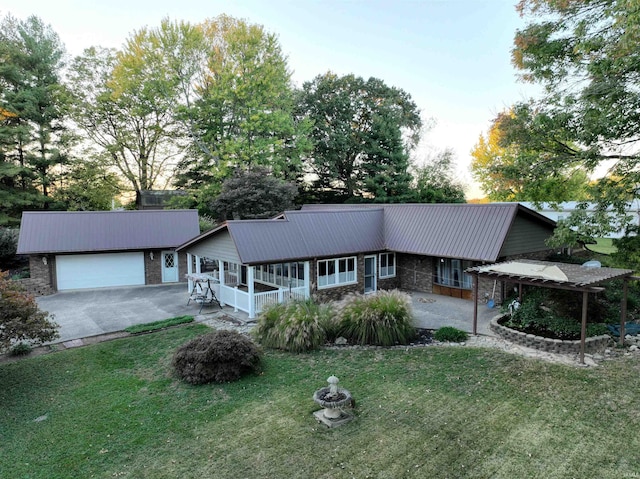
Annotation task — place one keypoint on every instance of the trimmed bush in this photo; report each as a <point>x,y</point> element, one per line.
<point>448,334</point>
<point>296,326</point>
<point>220,356</point>
<point>20,349</point>
<point>381,319</point>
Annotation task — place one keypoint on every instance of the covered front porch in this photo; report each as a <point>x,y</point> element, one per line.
<point>248,288</point>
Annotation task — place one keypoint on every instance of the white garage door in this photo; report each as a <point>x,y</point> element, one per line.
<point>99,270</point>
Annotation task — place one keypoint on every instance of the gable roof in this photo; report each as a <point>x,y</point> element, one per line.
<point>475,232</point>
<point>301,234</point>
<point>469,231</point>
<point>93,231</point>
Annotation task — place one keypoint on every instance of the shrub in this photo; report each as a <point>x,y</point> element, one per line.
<point>296,326</point>
<point>449,334</point>
<point>219,356</point>
<point>382,319</point>
<point>544,315</point>
<point>20,317</point>
<point>20,349</point>
<point>8,244</point>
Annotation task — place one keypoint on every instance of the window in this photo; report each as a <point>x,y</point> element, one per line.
<point>450,272</point>
<point>280,274</point>
<point>335,272</point>
<point>387,265</point>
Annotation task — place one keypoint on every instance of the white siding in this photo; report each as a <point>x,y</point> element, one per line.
<point>220,247</point>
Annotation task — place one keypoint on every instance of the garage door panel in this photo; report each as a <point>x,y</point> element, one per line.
<point>80,271</point>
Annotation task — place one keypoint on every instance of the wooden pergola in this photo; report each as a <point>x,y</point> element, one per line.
<point>546,274</point>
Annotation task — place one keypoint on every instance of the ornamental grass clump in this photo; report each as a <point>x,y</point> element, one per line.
<point>381,319</point>
<point>297,326</point>
<point>220,356</point>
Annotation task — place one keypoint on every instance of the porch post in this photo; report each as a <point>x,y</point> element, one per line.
<point>221,279</point>
<point>198,270</point>
<point>307,281</point>
<point>221,272</point>
<point>189,272</point>
<point>252,303</point>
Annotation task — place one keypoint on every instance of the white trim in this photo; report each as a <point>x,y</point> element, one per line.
<point>388,254</point>
<point>375,273</point>
<point>336,272</point>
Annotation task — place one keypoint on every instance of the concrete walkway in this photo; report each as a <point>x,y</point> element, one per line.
<point>86,313</point>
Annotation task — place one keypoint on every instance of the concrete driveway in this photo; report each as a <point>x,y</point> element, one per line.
<point>86,313</point>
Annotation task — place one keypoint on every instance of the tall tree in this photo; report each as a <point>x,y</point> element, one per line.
<point>363,131</point>
<point>33,137</point>
<point>125,104</point>
<point>434,181</point>
<point>520,159</point>
<point>238,103</point>
<point>587,56</point>
<point>87,185</point>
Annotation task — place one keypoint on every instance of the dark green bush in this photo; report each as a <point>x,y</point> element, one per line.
<point>550,315</point>
<point>296,326</point>
<point>219,357</point>
<point>382,319</point>
<point>20,349</point>
<point>449,334</point>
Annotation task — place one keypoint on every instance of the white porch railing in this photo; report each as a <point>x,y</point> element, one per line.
<point>267,298</point>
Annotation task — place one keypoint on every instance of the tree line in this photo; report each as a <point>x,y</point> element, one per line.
<point>190,106</point>
<point>580,139</point>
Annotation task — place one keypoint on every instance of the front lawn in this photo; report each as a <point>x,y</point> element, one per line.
<point>115,410</point>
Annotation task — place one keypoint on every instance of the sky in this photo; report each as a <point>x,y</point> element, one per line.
<point>452,56</point>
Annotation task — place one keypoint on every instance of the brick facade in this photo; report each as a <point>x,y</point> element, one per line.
<point>337,292</point>
<point>415,272</point>
<point>153,267</point>
<point>43,276</point>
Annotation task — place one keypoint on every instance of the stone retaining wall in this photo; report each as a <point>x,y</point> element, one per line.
<point>560,346</point>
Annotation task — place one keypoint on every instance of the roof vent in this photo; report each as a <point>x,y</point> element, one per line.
<point>591,264</point>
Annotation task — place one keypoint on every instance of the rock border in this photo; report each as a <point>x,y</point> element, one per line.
<point>594,344</point>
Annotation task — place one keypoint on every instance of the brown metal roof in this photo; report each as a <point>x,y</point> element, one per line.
<point>577,276</point>
<point>469,231</point>
<point>89,231</point>
<point>303,234</point>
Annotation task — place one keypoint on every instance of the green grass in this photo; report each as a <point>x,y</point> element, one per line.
<point>115,410</point>
<point>154,326</point>
<point>603,246</point>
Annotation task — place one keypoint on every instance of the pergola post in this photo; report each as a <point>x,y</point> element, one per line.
<point>583,330</point>
<point>623,311</point>
<point>475,304</point>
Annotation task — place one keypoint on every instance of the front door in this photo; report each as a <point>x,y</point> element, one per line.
<point>369,274</point>
<point>169,267</point>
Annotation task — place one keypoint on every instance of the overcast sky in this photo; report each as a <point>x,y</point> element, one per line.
<point>453,57</point>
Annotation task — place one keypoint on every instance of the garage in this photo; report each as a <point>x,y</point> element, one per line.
<point>80,271</point>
